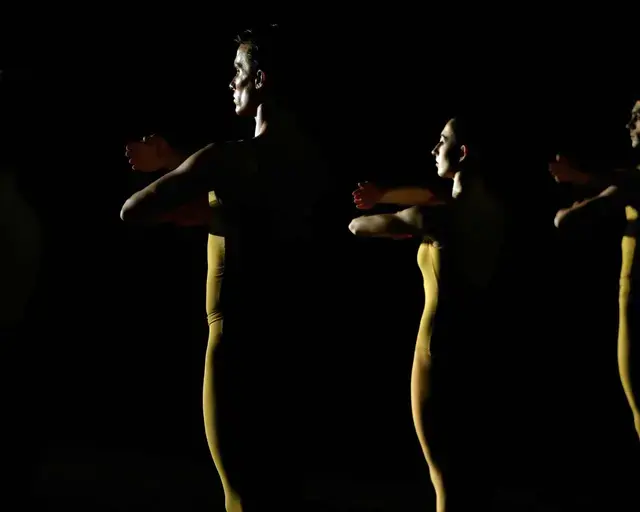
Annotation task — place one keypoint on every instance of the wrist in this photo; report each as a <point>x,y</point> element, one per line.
<point>383,195</point>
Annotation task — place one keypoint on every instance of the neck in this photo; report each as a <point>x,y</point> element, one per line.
<point>273,120</point>
<point>463,181</point>
<point>457,184</point>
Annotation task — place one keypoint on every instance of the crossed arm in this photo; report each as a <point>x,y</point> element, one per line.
<point>621,188</point>
<point>180,197</point>
<point>405,223</point>
<point>408,223</point>
<point>159,201</point>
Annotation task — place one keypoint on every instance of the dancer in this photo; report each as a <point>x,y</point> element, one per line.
<point>251,418</point>
<point>620,196</point>
<point>463,258</point>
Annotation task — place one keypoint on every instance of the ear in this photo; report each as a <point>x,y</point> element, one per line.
<point>260,80</point>
<point>464,151</point>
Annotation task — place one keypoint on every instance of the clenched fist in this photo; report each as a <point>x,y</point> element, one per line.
<point>366,196</point>
<point>152,154</point>
<point>564,172</point>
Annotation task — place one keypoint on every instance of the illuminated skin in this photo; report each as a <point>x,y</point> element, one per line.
<point>255,470</point>
<point>634,125</point>
<point>247,85</point>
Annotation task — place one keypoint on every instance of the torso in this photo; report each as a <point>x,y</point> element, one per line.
<point>470,267</point>
<point>270,199</point>
<point>429,263</point>
<point>629,271</point>
<point>215,272</point>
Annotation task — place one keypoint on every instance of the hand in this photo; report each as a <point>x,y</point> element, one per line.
<point>151,154</point>
<point>366,196</point>
<point>564,172</point>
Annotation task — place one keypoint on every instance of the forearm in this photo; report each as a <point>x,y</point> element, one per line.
<point>627,181</point>
<point>582,217</point>
<point>409,196</point>
<point>182,185</point>
<point>386,226</point>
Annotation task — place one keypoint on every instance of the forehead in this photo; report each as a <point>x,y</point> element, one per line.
<point>636,107</point>
<point>242,58</point>
<point>448,128</point>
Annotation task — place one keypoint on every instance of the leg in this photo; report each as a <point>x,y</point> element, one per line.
<point>628,358</point>
<point>420,390</point>
<point>211,419</point>
<point>249,424</point>
<point>444,436</point>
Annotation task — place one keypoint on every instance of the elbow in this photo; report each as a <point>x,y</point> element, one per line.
<point>355,227</point>
<point>125,211</point>
<point>129,211</point>
<point>558,221</point>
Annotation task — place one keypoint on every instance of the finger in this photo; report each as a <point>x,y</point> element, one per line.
<point>134,145</point>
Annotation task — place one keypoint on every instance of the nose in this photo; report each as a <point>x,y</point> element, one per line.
<point>232,85</point>
<point>434,151</point>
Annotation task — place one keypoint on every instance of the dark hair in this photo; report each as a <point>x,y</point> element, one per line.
<point>494,148</point>
<point>266,51</point>
<point>470,131</point>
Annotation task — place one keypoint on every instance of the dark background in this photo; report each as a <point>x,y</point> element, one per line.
<point>117,327</point>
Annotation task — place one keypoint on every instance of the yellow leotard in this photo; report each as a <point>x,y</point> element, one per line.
<point>215,317</point>
<point>627,332</point>
<point>429,263</point>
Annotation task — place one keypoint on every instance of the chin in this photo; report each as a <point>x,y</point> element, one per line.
<point>245,110</point>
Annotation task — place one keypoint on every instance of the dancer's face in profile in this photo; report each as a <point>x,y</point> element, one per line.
<point>448,152</point>
<point>634,126</point>
<point>246,84</point>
